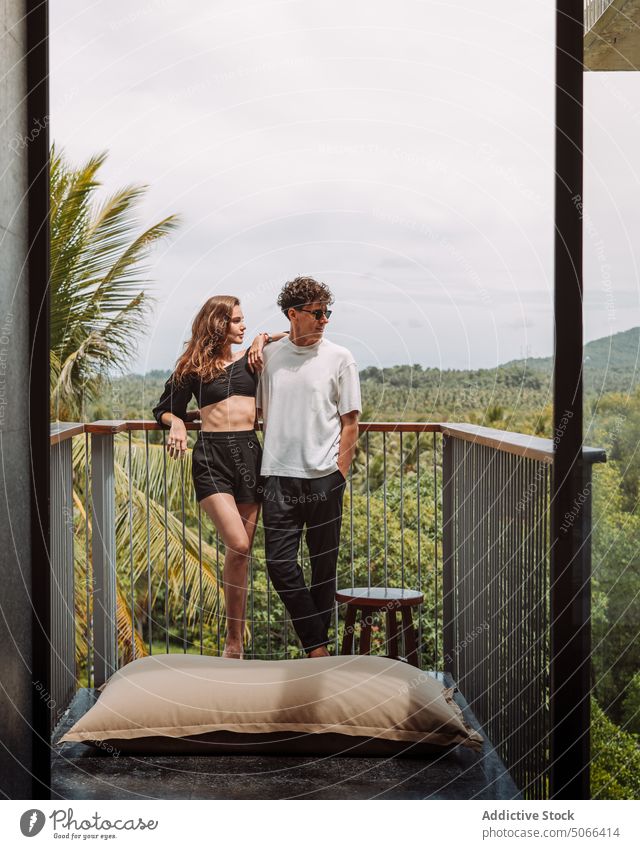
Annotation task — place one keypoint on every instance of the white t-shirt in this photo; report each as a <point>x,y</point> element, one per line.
<point>303,391</point>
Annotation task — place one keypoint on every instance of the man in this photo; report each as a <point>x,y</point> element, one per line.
<point>309,399</point>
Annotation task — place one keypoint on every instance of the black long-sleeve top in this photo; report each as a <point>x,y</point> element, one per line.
<point>237,379</point>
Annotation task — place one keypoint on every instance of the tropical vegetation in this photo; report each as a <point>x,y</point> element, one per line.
<point>169,560</point>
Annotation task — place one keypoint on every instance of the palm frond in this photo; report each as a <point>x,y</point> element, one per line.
<point>127,637</point>
<point>98,280</point>
<point>144,539</point>
<point>164,473</point>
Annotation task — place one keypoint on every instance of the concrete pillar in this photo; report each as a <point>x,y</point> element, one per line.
<point>21,754</point>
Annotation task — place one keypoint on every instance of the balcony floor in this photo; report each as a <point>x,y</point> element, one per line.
<point>82,772</point>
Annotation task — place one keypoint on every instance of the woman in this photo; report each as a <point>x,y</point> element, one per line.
<point>226,457</point>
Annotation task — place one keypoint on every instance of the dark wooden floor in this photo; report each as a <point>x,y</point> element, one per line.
<point>83,772</point>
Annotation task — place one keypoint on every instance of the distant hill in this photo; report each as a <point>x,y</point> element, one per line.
<point>611,364</point>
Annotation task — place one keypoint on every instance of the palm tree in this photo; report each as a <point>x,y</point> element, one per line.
<point>99,296</point>
<point>98,279</point>
<point>190,584</point>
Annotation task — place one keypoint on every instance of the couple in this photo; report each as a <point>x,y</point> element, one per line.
<point>308,395</point>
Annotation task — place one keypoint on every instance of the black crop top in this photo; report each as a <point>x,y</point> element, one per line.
<point>236,380</point>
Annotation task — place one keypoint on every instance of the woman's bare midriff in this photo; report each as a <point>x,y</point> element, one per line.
<point>235,413</point>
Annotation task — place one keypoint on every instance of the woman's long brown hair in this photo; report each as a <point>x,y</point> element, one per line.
<point>204,354</point>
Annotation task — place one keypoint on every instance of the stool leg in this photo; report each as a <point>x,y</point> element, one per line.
<point>410,646</point>
<point>349,623</point>
<point>392,633</point>
<point>365,632</point>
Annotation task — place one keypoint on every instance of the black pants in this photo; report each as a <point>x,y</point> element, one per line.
<point>288,505</point>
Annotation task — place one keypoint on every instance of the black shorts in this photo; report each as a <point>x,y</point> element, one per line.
<point>228,462</point>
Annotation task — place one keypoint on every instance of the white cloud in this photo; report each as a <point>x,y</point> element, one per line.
<point>403,152</point>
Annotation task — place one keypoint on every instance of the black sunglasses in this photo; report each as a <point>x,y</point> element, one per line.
<point>317,314</point>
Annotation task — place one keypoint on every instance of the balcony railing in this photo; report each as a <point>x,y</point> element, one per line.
<point>457,511</point>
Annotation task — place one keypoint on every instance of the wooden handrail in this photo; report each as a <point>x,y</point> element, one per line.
<point>520,444</point>
<point>61,431</point>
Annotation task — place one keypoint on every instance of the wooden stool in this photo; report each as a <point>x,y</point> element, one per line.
<point>389,599</point>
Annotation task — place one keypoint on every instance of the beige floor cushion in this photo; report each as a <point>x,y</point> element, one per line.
<point>351,704</point>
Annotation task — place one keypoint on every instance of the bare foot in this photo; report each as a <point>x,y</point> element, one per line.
<point>321,651</point>
<point>233,652</point>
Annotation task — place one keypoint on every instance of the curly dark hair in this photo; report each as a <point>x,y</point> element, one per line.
<point>301,291</point>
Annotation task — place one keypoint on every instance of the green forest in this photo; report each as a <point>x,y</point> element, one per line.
<point>515,397</point>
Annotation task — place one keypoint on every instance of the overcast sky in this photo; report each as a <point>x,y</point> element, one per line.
<point>402,152</point>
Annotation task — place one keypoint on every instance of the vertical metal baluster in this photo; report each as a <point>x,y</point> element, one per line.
<point>522,614</point>
<point>535,740</point>
<point>546,627</point>
<point>436,659</point>
<point>546,612</point>
<point>114,579</point>
<point>486,581</point>
<point>496,658</point>
<point>460,587</point>
<point>88,573</point>
<point>504,633</point>
<point>286,633</point>
<point>480,496</point>
<point>351,555</point>
<point>218,589</point>
<point>471,570</point>
<point>366,445</point>
<point>251,608</point>
<point>166,541</point>
<point>514,694</point>
<point>542,692</point>
<point>201,603</point>
<point>419,546</point>
<point>540,682</point>
<point>472,565</point>
<point>502,614</point>
<point>513,577</point>
<point>499,652</point>
<point>384,507</point>
<point>491,568</point>
<point>448,554</point>
<point>57,510</point>
<point>516,574</point>
<point>270,651</point>
<point>72,671</point>
<point>507,609</point>
<point>268,617</point>
<point>467,572</point>
<point>131,569</point>
<point>521,585</point>
<point>526,637</point>
<point>464,654</point>
<point>476,590</point>
<point>401,513</point>
<point>483,494</point>
<point>495,570</point>
<point>305,567</point>
<point>533,787</point>
<point>184,559</point>
<point>478,502</point>
<point>148,519</point>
